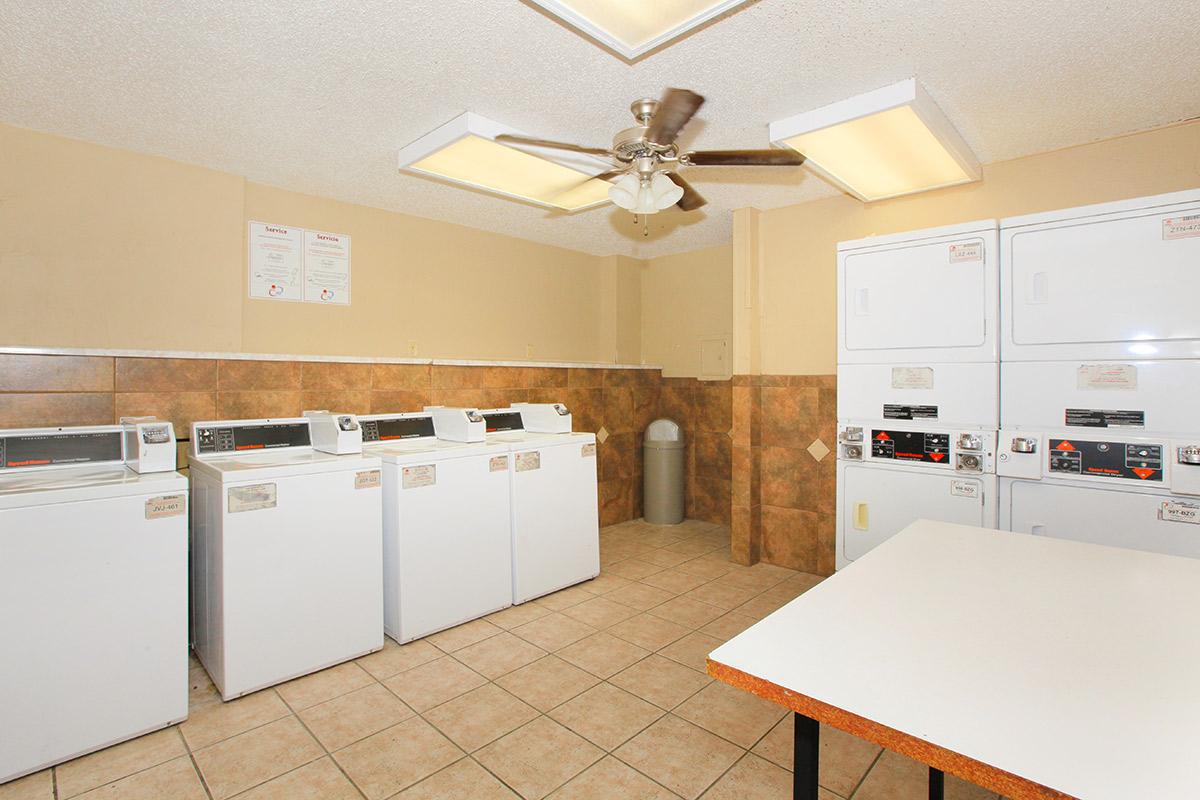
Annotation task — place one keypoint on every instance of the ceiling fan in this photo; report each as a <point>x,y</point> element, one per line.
<point>648,157</point>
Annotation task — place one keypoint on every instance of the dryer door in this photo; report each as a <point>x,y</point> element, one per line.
<point>1159,523</point>
<point>875,503</point>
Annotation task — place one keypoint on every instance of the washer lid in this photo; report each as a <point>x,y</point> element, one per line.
<point>44,487</point>
<point>524,440</point>
<point>279,464</point>
<point>424,449</point>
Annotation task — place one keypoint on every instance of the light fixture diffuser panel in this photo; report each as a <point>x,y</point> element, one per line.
<point>882,144</point>
<point>633,28</point>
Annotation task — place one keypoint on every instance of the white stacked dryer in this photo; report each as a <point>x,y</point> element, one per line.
<point>918,378</point>
<point>1100,437</point>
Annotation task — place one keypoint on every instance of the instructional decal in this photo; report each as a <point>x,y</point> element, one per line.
<point>961,253</point>
<point>1175,511</point>
<point>416,477</point>
<point>964,489</point>
<point>1106,376</point>
<point>529,461</point>
<point>172,505</point>
<point>896,411</point>
<point>912,377</point>
<point>326,268</point>
<point>276,262</point>
<point>1104,418</point>
<point>251,498</point>
<point>371,479</point>
<point>498,464</point>
<point>930,448</point>
<point>588,450</point>
<point>1128,460</point>
<point>1181,227</point>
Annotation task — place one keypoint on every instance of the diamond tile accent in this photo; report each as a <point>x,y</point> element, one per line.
<point>818,450</point>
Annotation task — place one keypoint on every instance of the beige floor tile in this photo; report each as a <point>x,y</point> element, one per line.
<point>639,595</point>
<point>609,779</point>
<point>107,765</point>
<point>692,650</point>
<point>547,682</point>
<point>211,723</point>
<point>553,631</point>
<point>661,537</point>
<point>604,584</point>
<point>394,658</point>
<point>687,612</point>
<point>692,547</point>
<point>603,654</point>
<point>753,777</point>
<point>318,780</point>
<point>648,631</point>
<point>600,612</point>
<point>674,580</point>
<point>539,757</point>
<point>38,786</point>
<point>803,581</point>
<point>564,598</point>
<point>516,616</point>
<point>480,716</point>
<point>844,759</point>
<point>754,582</point>
<point>731,713</point>
<point>256,756</point>
<point>897,777</point>
<point>462,780</point>
<point>759,607</point>
<point>324,685</point>
<point>353,716</point>
<point>661,681</point>
<point>201,690</point>
<point>728,626</point>
<point>606,715</point>
<point>680,756</point>
<point>634,569</point>
<point>707,566</point>
<point>665,558</point>
<point>465,635</point>
<point>396,758</point>
<point>434,683</point>
<point>499,655</point>
<point>723,597</point>
<point>176,779</point>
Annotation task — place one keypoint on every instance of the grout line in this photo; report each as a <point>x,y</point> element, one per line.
<point>867,772</point>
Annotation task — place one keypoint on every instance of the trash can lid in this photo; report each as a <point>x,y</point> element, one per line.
<point>663,430</point>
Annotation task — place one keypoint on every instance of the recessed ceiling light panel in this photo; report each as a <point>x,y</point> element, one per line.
<point>633,28</point>
<point>463,151</point>
<point>886,143</point>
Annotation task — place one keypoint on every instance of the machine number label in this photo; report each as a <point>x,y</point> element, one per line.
<point>371,479</point>
<point>929,448</point>
<point>416,477</point>
<point>961,253</point>
<point>528,461</point>
<point>912,377</point>
<point>1181,227</point>
<point>1128,460</point>
<point>498,464</point>
<point>1106,376</point>
<point>252,498</point>
<point>1104,418</point>
<point>1175,511</point>
<point>588,450</point>
<point>896,411</point>
<point>172,505</point>
<point>964,489</point>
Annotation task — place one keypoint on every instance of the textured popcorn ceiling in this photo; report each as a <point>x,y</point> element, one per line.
<point>319,96</point>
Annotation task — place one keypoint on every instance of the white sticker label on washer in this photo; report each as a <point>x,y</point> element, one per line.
<point>251,498</point>
<point>416,477</point>
<point>1181,227</point>
<point>1106,376</point>
<point>588,450</point>
<point>172,505</point>
<point>371,479</point>
<point>1175,511</point>
<point>960,253</point>
<point>528,461</point>
<point>964,489</point>
<point>498,464</point>
<point>912,377</point>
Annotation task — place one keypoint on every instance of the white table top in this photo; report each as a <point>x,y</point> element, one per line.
<point>1071,665</point>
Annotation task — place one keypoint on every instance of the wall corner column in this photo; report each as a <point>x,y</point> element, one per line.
<point>745,497</point>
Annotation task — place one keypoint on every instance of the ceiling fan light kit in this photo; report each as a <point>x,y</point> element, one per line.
<point>886,143</point>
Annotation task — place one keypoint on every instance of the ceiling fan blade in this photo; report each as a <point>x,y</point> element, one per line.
<point>676,108</point>
<point>691,199</point>
<point>512,138</point>
<point>774,157</point>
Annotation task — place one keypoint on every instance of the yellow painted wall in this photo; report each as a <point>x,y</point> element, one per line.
<point>798,244</point>
<point>686,298</point>
<point>106,248</point>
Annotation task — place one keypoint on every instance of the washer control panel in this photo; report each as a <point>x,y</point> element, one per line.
<point>229,438</point>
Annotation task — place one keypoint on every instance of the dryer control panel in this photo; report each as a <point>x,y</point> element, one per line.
<point>939,448</point>
<point>234,437</point>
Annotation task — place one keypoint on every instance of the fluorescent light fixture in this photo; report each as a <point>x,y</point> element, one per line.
<point>886,143</point>
<point>632,28</point>
<point>463,151</point>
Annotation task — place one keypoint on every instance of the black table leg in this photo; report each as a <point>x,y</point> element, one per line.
<point>937,784</point>
<point>806,752</point>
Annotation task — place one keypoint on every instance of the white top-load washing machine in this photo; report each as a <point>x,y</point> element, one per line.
<point>287,552</point>
<point>1101,357</point>
<point>93,590</point>
<point>447,529</point>
<point>555,509</point>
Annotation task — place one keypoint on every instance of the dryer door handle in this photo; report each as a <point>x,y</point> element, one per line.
<point>1039,288</point>
<point>862,302</point>
<point>1037,529</point>
<point>861,517</point>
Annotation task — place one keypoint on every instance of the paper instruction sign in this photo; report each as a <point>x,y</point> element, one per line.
<point>370,479</point>
<point>529,461</point>
<point>276,262</point>
<point>416,477</point>
<point>1106,376</point>
<point>498,464</point>
<point>962,253</point>
<point>1181,227</point>
<point>172,505</point>
<point>588,450</point>
<point>251,498</point>
<point>326,268</point>
<point>912,377</point>
<point>1175,511</point>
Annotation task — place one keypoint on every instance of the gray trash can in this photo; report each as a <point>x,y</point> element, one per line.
<point>663,473</point>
